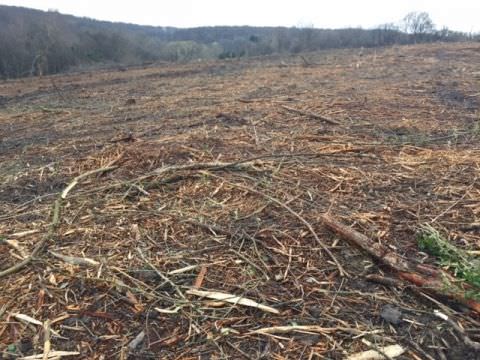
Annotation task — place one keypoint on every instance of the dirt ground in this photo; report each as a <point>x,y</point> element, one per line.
<point>385,140</point>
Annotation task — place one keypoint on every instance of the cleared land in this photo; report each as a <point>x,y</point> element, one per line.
<point>384,141</point>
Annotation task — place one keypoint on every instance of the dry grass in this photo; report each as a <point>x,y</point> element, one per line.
<point>405,153</point>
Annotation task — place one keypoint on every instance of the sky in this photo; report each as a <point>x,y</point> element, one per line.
<point>463,15</point>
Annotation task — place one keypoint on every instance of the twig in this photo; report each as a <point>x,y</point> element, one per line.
<point>469,342</point>
<point>311,115</point>
<point>294,328</point>
<point>14,245</point>
<point>57,206</point>
<point>203,166</point>
<point>381,351</point>
<point>298,216</point>
<point>223,231</point>
<point>47,345</point>
<point>247,260</point>
<point>77,179</point>
<point>454,204</point>
<point>419,349</point>
<point>159,273</point>
<point>17,267</point>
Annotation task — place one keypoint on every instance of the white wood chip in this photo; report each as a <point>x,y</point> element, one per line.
<point>233,299</point>
<point>76,260</point>
<point>51,355</point>
<point>391,351</point>
<point>28,319</point>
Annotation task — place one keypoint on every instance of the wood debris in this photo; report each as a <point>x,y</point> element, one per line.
<point>232,299</point>
<point>189,224</point>
<point>387,352</point>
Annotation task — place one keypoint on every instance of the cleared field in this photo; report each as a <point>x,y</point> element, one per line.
<point>213,177</point>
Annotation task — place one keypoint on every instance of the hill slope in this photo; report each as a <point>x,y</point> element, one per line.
<point>400,150</point>
<point>38,42</point>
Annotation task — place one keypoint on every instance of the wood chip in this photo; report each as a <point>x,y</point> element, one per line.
<point>137,341</point>
<point>51,355</point>
<point>76,260</point>
<point>233,299</point>
<point>200,278</point>
<point>27,319</point>
<point>391,351</point>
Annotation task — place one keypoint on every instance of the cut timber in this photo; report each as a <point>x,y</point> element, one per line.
<point>311,115</point>
<point>427,278</point>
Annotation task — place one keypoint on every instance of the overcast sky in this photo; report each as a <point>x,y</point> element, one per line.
<point>456,14</point>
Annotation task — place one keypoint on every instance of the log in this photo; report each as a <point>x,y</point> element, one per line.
<point>427,278</point>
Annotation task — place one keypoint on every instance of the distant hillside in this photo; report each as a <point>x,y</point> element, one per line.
<point>34,42</point>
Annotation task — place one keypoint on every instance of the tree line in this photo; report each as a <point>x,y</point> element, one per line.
<point>34,42</point>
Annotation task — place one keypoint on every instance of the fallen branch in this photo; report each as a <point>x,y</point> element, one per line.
<point>429,279</point>
<point>311,115</point>
<point>77,179</point>
<point>232,299</point>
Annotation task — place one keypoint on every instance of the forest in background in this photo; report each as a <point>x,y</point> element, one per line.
<point>34,42</point>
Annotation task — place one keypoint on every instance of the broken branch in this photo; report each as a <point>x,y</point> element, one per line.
<point>429,279</point>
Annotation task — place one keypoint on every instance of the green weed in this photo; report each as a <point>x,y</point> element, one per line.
<point>463,266</point>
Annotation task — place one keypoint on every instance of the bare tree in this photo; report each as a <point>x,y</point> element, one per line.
<point>418,24</point>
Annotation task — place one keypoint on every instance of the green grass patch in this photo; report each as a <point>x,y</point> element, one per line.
<point>464,267</point>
